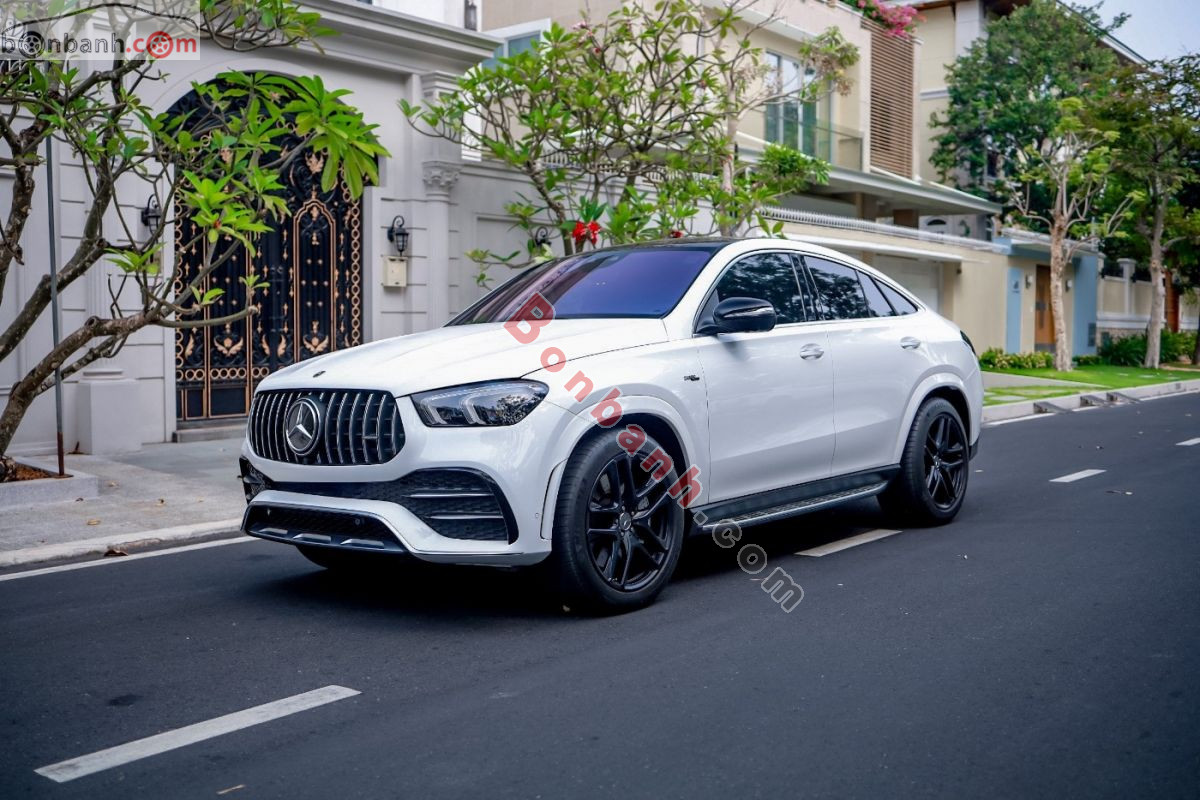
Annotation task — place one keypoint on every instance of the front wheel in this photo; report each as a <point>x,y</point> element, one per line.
<point>934,466</point>
<point>617,530</point>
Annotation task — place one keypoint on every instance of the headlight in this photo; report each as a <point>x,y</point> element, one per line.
<point>496,403</point>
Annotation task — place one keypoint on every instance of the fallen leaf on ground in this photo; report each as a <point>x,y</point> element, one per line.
<point>93,522</point>
<point>162,502</point>
<point>114,551</point>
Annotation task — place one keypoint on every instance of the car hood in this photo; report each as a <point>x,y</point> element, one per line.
<point>461,354</point>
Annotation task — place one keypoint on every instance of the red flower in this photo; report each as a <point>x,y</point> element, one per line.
<point>585,230</point>
<point>676,234</point>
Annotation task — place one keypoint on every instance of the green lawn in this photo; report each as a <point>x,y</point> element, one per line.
<point>1106,376</point>
<point>1016,394</point>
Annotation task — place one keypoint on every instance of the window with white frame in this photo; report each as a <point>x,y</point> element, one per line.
<point>803,126</point>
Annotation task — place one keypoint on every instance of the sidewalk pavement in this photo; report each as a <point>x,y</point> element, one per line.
<point>187,492</point>
<point>165,492</point>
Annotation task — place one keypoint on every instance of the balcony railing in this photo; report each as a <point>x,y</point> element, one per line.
<point>867,226</point>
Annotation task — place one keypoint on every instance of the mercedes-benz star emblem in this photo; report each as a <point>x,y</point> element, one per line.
<point>302,426</point>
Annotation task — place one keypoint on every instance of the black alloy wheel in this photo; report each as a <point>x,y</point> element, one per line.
<point>617,530</point>
<point>945,461</point>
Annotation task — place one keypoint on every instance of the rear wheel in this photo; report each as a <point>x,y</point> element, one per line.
<point>617,530</point>
<point>933,468</point>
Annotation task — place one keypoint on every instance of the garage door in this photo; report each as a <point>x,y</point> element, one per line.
<point>922,279</point>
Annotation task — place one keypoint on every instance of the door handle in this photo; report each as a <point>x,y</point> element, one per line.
<point>811,351</point>
<point>909,343</point>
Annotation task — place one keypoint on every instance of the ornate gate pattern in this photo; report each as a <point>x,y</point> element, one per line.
<point>311,303</point>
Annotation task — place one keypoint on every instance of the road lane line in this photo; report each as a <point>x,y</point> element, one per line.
<point>102,562</point>
<point>999,422</point>
<point>1077,476</point>
<point>846,544</point>
<point>101,760</point>
<point>1188,442</point>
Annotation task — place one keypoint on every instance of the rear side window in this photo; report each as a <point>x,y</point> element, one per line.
<point>899,302</point>
<point>876,302</point>
<point>765,276</point>
<point>838,289</point>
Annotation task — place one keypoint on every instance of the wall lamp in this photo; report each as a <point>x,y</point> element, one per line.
<point>152,213</point>
<point>1028,281</point>
<point>397,234</point>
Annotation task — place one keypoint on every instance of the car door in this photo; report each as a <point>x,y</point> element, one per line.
<point>770,394</point>
<point>879,360</point>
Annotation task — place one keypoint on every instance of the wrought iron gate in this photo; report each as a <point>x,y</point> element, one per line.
<point>311,303</point>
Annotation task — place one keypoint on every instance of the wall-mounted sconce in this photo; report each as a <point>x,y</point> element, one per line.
<point>1070,284</point>
<point>1028,281</point>
<point>1016,285</point>
<point>152,213</point>
<point>541,237</point>
<point>397,234</point>
<point>470,15</point>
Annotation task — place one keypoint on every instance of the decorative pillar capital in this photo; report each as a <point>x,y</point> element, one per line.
<point>440,176</point>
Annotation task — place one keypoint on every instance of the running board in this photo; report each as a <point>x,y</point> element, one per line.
<point>799,507</point>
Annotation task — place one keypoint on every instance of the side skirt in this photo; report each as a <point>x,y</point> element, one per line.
<point>790,501</point>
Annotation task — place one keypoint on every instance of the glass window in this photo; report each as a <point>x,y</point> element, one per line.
<point>838,289</point>
<point>646,282</point>
<point>876,302</point>
<point>899,302</point>
<point>765,276</point>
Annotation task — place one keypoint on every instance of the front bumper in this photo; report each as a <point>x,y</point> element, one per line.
<point>462,495</point>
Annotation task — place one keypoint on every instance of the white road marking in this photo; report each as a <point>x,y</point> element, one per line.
<point>102,562</point>
<point>1188,442</point>
<point>1077,476</point>
<point>74,768</point>
<point>846,544</point>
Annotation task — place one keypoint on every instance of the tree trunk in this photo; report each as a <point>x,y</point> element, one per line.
<point>1158,291</point>
<point>1058,264</point>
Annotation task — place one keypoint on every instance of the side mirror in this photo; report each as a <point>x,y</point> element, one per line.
<point>743,315</point>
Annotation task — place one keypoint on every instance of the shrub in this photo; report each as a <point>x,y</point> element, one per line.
<point>995,358</point>
<point>1128,351</point>
<point>1088,361</point>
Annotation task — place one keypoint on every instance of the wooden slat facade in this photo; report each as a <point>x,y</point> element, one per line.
<point>892,102</point>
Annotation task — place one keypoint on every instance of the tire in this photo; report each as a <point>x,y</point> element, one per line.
<point>617,531</point>
<point>934,468</point>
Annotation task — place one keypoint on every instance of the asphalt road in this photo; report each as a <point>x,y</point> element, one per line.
<point>1047,644</point>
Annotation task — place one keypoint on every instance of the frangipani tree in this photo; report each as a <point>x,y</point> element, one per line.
<point>217,165</point>
<point>1072,165</point>
<point>623,127</point>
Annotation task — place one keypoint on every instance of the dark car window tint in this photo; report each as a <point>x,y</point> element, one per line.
<point>876,302</point>
<point>608,283</point>
<point>765,276</point>
<point>899,302</point>
<point>838,289</point>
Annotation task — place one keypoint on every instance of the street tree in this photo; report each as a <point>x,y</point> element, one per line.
<point>1155,108</point>
<point>1004,92</point>
<point>1073,164</point>
<point>217,165</point>
<point>623,127</point>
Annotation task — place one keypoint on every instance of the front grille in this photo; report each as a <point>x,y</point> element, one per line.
<point>297,525</point>
<point>356,427</point>
<point>457,503</point>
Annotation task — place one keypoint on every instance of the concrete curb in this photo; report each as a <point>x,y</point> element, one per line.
<point>126,541</point>
<point>1071,402</point>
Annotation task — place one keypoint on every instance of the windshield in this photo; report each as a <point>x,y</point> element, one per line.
<point>642,282</point>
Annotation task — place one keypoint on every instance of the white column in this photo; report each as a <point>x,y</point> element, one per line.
<point>439,178</point>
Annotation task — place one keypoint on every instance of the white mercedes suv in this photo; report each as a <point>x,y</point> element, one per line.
<point>594,410</point>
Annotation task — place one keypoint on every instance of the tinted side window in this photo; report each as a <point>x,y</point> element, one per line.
<point>899,302</point>
<point>766,276</point>
<point>875,300</point>
<point>838,289</point>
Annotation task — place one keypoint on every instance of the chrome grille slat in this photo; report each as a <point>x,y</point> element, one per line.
<point>359,426</point>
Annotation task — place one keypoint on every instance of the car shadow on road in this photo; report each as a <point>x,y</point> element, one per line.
<point>458,593</point>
